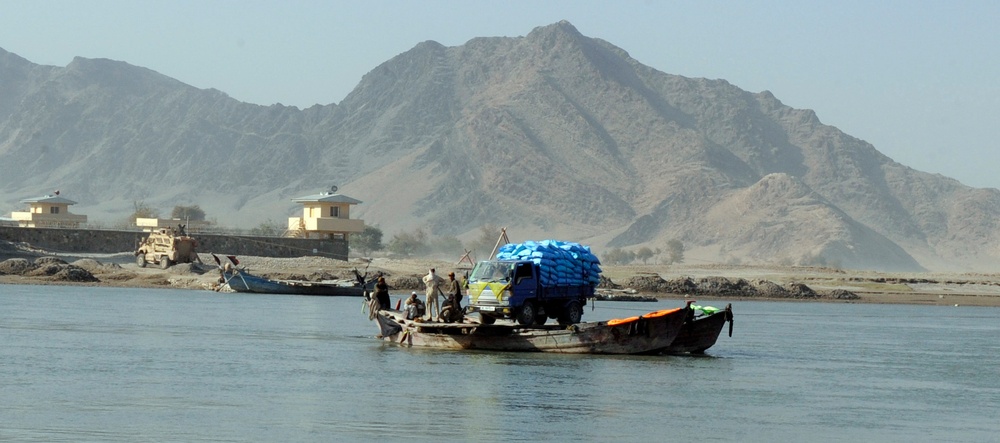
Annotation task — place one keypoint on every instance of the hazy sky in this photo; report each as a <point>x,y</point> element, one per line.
<point>920,80</point>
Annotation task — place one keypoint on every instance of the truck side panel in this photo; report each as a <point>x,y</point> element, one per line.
<point>567,291</point>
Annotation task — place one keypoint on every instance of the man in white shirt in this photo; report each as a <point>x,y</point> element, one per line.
<point>433,283</point>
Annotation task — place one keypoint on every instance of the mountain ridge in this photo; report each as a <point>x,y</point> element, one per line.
<point>553,134</point>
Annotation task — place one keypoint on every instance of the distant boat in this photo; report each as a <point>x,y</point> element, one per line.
<point>642,334</point>
<point>240,280</point>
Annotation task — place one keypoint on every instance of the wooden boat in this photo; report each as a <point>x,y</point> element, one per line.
<point>239,280</point>
<point>643,334</point>
<point>609,296</point>
<point>701,333</point>
<point>242,281</point>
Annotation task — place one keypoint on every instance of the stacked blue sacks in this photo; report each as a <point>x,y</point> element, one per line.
<point>560,263</point>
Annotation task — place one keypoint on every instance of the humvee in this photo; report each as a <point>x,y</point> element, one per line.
<point>166,247</point>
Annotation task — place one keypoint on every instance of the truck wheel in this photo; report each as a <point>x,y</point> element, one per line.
<point>572,315</point>
<point>164,262</point>
<point>140,260</point>
<point>526,314</point>
<point>540,319</point>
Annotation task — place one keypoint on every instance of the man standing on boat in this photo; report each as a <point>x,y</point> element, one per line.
<point>454,292</point>
<point>382,293</point>
<point>433,282</point>
<point>451,312</point>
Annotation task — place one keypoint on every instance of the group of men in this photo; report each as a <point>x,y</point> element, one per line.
<point>435,288</point>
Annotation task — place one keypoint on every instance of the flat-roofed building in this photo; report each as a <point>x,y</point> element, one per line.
<point>155,224</point>
<point>50,211</point>
<point>325,215</point>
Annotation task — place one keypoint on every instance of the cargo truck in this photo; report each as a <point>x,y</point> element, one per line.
<point>516,289</point>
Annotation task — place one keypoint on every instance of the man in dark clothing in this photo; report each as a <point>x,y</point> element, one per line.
<point>454,301</point>
<point>382,293</point>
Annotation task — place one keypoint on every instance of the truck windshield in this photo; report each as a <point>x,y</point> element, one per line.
<point>490,271</point>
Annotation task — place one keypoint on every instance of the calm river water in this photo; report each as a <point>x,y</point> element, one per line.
<point>108,364</point>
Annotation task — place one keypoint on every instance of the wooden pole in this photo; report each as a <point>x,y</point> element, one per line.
<point>503,238</point>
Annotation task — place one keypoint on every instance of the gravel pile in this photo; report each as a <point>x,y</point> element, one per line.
<point>50,267</point>
<point>724,287</point>
<point>15,266</point>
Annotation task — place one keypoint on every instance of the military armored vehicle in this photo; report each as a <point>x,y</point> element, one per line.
<point>165,247</point>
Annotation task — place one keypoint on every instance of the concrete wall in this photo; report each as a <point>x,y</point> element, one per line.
<point>110,242</point>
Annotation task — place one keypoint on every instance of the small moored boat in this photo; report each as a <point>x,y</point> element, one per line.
<point>239,280</point>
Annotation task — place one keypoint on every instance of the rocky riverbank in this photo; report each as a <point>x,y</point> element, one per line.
<point>722,287</point>
<point>402,275</point>
<point>21,266</point>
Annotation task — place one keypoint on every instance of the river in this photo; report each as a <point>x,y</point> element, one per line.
<point>113,364</point>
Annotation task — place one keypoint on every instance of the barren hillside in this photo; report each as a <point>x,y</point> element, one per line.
<point>553,134</point>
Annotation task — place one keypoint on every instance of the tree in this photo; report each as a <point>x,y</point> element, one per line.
<point>449,246</point>
<point>368,240</point>
<point>644,254</point>
<point>269,228</point>
<point>675,251</point>
<point>142,210</point>
<point>488,235</point>
<point>618,256</point>
<point>408,244</point>
<point>188,213</point>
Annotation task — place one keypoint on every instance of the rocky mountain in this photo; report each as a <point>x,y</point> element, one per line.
<point>554,134</point>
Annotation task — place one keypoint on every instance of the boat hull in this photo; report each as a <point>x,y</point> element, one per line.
<point>697,335</point>
<point>244,282</point>
<point>641,336</point>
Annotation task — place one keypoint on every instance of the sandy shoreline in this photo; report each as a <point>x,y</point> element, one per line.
<point>119,270</point>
